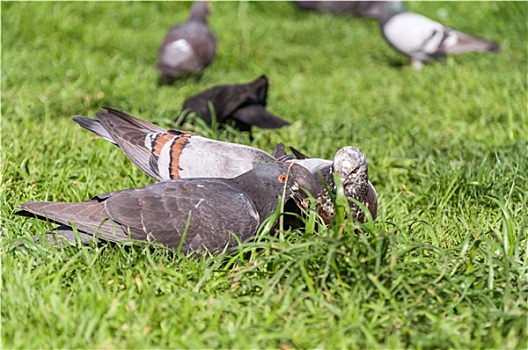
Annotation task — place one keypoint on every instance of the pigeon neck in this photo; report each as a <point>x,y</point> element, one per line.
<point>200,17</point>
<point>326,173</point>
<point>263,194</point>
<point>199,12</point>
<point>390,9</point>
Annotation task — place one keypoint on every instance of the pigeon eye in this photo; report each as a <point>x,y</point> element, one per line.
<point>282,178</point>
<point>355,170</point>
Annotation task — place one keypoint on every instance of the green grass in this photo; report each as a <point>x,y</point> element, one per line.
<point>443,266</point>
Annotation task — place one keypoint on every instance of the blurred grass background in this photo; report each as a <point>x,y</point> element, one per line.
<point>443,266</point>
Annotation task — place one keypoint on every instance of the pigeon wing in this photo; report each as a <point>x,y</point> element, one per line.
<point>459,42</point>
<point>89,217</point>
<point>216,96</point>
<point>63,236</point>
<point>94,126</point>
<point>257,115</point>
<point>131,135</point>
<point>298,154</point>
<point>372,201</point>
<point>172,154</point>
<point>203,157</point>
<point>279,152</point>
<point>207,212</point>
<point>227,99</point>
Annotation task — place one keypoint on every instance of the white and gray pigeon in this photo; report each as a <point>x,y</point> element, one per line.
<point>172,154</point>
<point>189,214</point>
<point>188,47</point>
<point>424,40</point>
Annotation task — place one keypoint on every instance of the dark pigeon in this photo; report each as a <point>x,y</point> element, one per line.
<point>188,47</point>
<point>423,40</point>
<point>241,106</point>
<point>172,154</point>
<point>367,9</point>
<point>186,214</point>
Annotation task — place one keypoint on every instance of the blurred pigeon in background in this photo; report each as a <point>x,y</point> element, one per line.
<point>367,9</point>
<point>188,47</point>
<point>241,105</point>
<point>422,39</point>
<point>193,214</point>
<point>172,154</point>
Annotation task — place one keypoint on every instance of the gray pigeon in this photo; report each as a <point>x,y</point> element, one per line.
<point>241,105</point>
<point>367,9</point>
<point>424,40</point>
<point>190,214</point>
<point>172,154</point>
<point>188,47</point>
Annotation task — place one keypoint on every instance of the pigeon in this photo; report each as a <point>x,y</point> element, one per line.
<point>172,154</point>
<point>351,164</point>
<point>197,214</point>
<point>242,106</point>
<point>366,9</point>
<point>424,40</point>
<point>188,47</point>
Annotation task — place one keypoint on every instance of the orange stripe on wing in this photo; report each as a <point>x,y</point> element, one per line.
<point>159,141</point>
<point>176,150</point>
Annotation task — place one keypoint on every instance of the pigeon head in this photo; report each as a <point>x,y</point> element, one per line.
<point>267,182</point>
<point>352,166</point>
<point>199,11</point>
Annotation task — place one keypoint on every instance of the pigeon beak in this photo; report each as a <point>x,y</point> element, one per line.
<point>298,196</point>
<point>295,187</point>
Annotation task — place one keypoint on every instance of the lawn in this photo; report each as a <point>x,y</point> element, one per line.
<point>443,266</point>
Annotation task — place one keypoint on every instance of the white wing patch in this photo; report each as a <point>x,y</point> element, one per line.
<point>177,52</point>
<point>180,45</point>
<point>164,160</point>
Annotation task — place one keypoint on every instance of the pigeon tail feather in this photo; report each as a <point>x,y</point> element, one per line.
<point>93,126</point>
<point>470,43</point>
